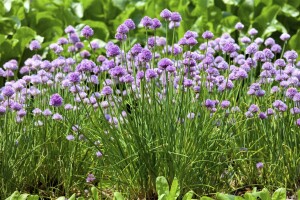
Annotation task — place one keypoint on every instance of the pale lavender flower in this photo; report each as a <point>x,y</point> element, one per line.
<point>57,117</point>
<point>285,37</point>
<point>130,24</point>
<point>239,26</point>
<point>207,35</point>
<point>98,154</point>
<point>34,45</point>
<point>70,137</point>
<point>90,178</point>
<point>165,14</point>
<point>259,165</point>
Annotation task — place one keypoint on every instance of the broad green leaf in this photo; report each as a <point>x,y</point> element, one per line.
<point>264,194</point>
<point>78,9</point>
<point>23,196</point>
<point>33,197</point>
<point>120,3</point>
<point>189,196</point>
<point>238,198</point>
<point>298,194</point>
<point>73,197</point>
<point>24,35</point>
<point>61,198</point>
<point>162,186</point>
<point>273,27</point>
<point>249,196</point>
<point>279,194</point>
<point>221,196</point>
<point>227,24</point>
<point>268,14</point>
<point>294,3</point>
<point>290,11</point>
<point>206,198</point>
<point>232,2</point>
<point>118,196</point>
<point>175,190</point>
<point>7,4</point>
<point>162,197</point>
<point>294,42</point>
<point>14,196</point>
<point>94,193</point>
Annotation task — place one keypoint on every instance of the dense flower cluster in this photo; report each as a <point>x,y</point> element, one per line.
<point>221,76</point>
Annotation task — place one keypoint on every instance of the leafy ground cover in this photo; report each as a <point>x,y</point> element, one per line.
<point>217,113</point>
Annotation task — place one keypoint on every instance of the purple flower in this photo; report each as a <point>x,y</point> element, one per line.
<point>146,22</point>
<point>90,178</point>
<point>253,108</point>
<point>117,71</point>
<point>276,48</point>
<point>285,37</point>
<point>279,105</point>
<point>156,24</point>
<point>2,110</point>
<point>296,96</point>
<point>270,111</point>
<point>16,106</point>
<point>207,35</point>
<point>290,55</point>
<point>56,100</point>
<point>98,154</point>
<point>297,122</point>
<point>47,112</point>
<point>145,55</point>
<point>252,32</point>
<point>239,26</point>
<point>290,92</point>
<point>164,63</point>
<point>95,45</point>
<point>70,29</point>
<point>175,17</point>
<point>34,45</point>
<point>87,32</point>
<point>70,137</point>
<point>252,48</point>
<point>150,74</point>
<point>269,42</point>
<point>8,91</point>
<point>112,50</point>
<point>225,104</point>
<point>130,24</point>
<point>228,47</point>
<point>57,117</point>
<point>165,14</point>
<point>123,29</point>
<point>262,115</point>
<point>62,41</point>
<point>249,114</point>
<point>259,165</point>
<point>106,90</point>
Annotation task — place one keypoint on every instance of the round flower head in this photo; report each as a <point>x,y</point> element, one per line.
<point>164,63</point>
<point>106,91</point>
<point>207,35</point>
<point>225,104</point>
<point>123,29</point>
<point>285,37</point>
<point>34,45</point>
<point>87,32</point>
<point>146,22</point>
<point>130,24</point>
<point>56,100</point>
<point>156,24</point>
<point>269,42</point>
<point>145,55</point>
<point>90,178</point>
<point>175,17</point>
<point>8,91</point>
<point>150,74</point>
<point>239,26</point>
<point>259,165</point>
<point>70,137</point>
<point>298,122</point>
<point>253,108</point>
<point>98,154</point>
<point>252,32</point>
<point>165,14</point>
<point>262,115</point>
<point>70,29</point>
<point>2,110</point>
<point>112,50</point>
<point>57,117</point>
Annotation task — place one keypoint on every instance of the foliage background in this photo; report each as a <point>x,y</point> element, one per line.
<point>45,20</point>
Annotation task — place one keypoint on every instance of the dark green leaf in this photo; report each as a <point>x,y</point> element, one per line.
<point>290,11</point>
